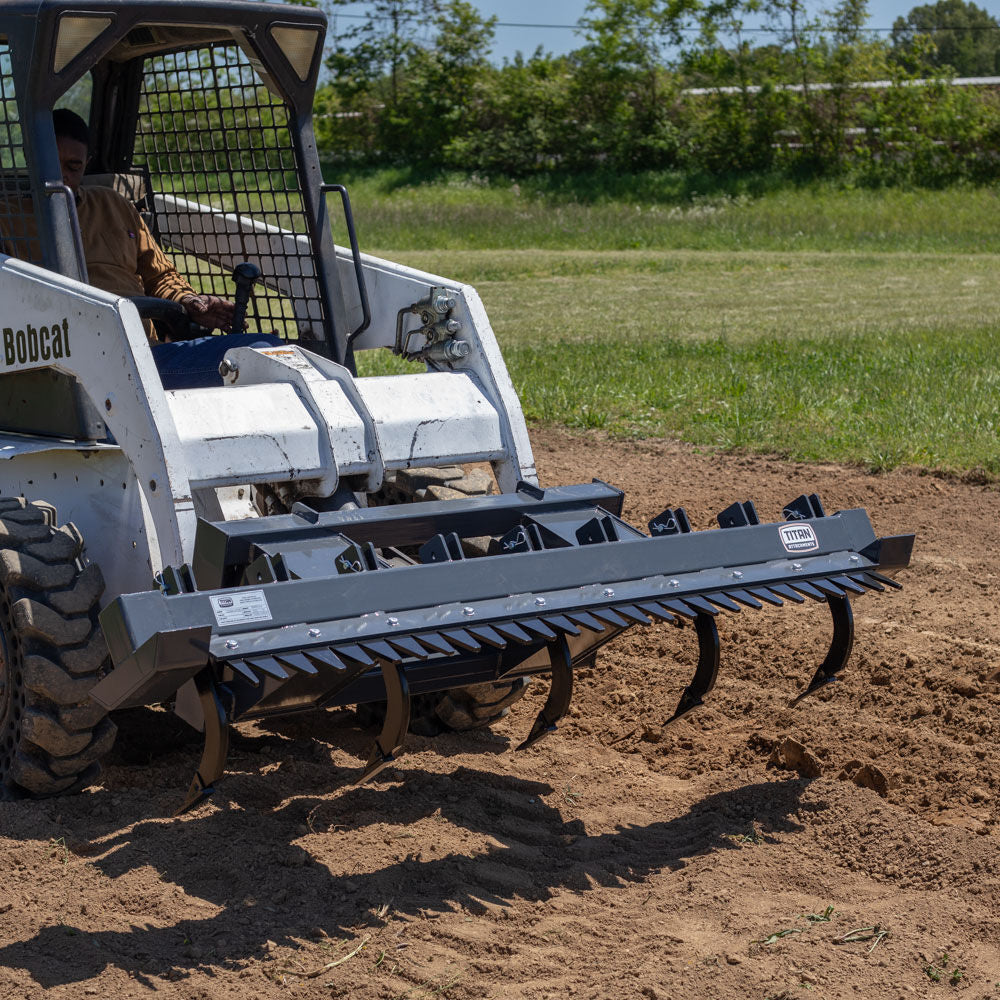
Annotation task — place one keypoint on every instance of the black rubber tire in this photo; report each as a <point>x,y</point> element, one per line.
<point>52,735</point>
<point>460,709</point>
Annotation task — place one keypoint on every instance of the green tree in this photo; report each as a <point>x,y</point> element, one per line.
<point>966,39</point>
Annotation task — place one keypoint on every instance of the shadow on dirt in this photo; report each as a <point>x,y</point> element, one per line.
<point>242,859</point>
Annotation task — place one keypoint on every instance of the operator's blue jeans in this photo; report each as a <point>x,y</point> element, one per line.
<point>194,364</point>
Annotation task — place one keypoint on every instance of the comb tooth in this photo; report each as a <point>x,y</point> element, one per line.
<point>587,621</point>
<point>539,627</point>
<point>786,591</point>
<point>328,658</point>
<point>657,611</point>
<point>680,608</point>
<point>765,595</point>
<point>353,652</point>
<point>828,588</point>
<point>459,637</point>
<point>805,587</point>
<point>867,582</point>
<point>700,604</point>
<point>245,672</point>
<point>407,646</point>
<point>847,584</point>
<point>381,649</point>
<point>296,661</point>
<point>511,630</point>
<point>723,601</point>
<point>489,636</point>
<point>610,616</point>
<point>270,666</point>
<point>435,643</point>
<point>744,598</point>
<point>562,623</point>
<point>887,580</point>
<point>631,611</point>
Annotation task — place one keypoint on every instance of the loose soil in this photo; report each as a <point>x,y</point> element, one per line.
<point>730,855</point>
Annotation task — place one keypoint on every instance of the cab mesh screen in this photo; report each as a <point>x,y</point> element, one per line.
<point>18,231</point>
<point>216,144</point>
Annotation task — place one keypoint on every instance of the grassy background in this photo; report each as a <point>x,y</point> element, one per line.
<point>879,357</point>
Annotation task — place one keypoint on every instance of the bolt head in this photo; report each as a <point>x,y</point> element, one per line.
<point>392,621</point>
<point>737,575</point>
<point>468,612</point>
<point>675,583</point>
<point>232,644</point>
<point>796,565</point>
<point>855,559</point>
<point>314,633</point>
<point>608,592</point>
<point>540,601</point>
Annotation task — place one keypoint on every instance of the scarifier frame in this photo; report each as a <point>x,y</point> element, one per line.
<point>301,611</point>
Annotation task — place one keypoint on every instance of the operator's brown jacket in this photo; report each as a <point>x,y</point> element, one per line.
<point>121,254</point>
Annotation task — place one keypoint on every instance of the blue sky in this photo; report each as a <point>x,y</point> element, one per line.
<point>567,12</point>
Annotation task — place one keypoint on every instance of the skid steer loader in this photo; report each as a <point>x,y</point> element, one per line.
<point>240,552</point>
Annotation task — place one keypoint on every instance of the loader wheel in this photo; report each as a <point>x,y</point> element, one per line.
<point>52,652</point>
<point>479,705</point>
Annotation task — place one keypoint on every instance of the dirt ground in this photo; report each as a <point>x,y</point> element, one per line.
<point>729,856</point>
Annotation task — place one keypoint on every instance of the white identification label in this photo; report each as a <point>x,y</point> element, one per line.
<point>237,609</point>
<point>798,538</point>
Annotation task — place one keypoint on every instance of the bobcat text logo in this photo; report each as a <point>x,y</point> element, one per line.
<point>47,343</point>
<point>798,537</point>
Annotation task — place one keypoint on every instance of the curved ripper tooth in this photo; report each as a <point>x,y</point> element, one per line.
<point>805,587</point>
<point>786,591</point>
<point>610,616</point>
<point>560,693</point>
<point>489,636</point>
<point>866,581</point>
<point>847,584</point>
<point>723,601</point>
<point>828,588</point>
<point>539,627</point>
<point>381,649</point>
<point>657,611</point>
<point>840,648</point>
<point>389,741</point>
<point>700,604</point>
<point>407,646</point>
<point>765,595</point>
<point>435,643</point>
<point>296,661</point>
<point>588,621</point>
<point>887,580</point>
<point>681,608</point>
<point>350,652</point>
<point>328,658</point>
<point>706,671</point>
<point>459,637</point>
<point>631,611</point>
<point>746,598</point>
<point>511,630</point>
<point>270,666</point>
<point>239,667</point>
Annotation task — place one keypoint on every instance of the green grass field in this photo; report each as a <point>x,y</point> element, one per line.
<point>862,350</point>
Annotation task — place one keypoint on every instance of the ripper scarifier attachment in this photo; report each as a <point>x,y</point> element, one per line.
<point>323,609</point>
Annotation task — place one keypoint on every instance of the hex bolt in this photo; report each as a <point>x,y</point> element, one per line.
<point>540,601</point>
<point>444,303</point>
<point>737,575</point>
<point>796,565</point>
<point>675,583</point>
<point>855,559</point>
<point>314,633</point>
<point>392,621</point>
<point>468,612</point>
<point>608,592</point>
<point>232,644</point>
<point>453,326</point>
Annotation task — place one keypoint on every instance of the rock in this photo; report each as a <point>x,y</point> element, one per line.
<point>869,776</point>
<point>793,756</point>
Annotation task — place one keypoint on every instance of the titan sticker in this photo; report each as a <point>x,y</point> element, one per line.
<point>798,537</point>
<point>241,608</point>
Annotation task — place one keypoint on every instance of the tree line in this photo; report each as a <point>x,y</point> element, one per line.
<point>688,85</point>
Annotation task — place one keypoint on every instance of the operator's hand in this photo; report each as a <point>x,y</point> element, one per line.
<point>210,311</point>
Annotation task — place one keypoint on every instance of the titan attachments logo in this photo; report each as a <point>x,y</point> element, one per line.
<point>798,537</point>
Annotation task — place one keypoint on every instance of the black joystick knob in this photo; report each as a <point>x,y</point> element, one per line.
<point>245,276</point>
